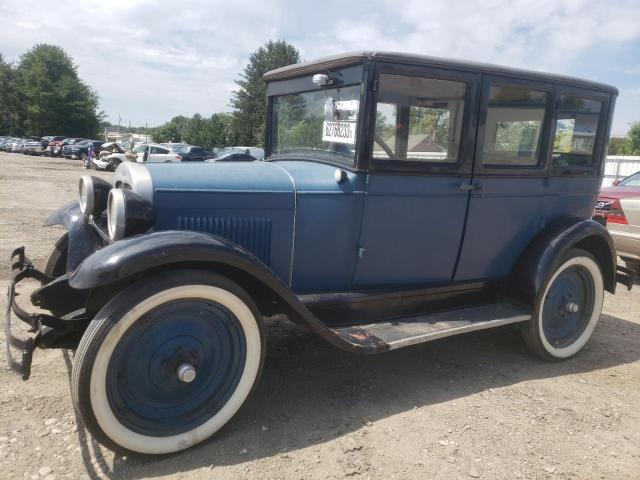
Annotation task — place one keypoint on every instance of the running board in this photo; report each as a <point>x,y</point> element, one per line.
<point>402,332</point>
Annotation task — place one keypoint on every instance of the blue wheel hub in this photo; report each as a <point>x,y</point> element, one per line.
<point>568,306</point>
<point>146,392</point>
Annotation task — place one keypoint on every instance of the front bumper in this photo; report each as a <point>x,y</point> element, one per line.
<point>22,268</point>
<point>45,330</point>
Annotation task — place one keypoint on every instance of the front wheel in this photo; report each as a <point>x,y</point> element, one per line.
<point>567,310</point>
<point>168,362</point>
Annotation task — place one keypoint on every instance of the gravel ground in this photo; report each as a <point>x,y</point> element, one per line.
<point>473,406</point>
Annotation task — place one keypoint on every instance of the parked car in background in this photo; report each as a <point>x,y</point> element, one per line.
<point>232,157</point>
<point>39,146</point>
<point>111,155</point>
<point>149,152</point>
<point>190,153</point>
<point>54,147</point>
<point>17,145</point>
<point>352,226</point>
<point>81,148</point>
<point>67,145</point>
<point>619,207</point>
<point>256,152</point>
<point>5,143</point>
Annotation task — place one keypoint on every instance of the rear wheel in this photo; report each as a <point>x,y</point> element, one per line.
<point>568,308</point>
<point>168,362</point>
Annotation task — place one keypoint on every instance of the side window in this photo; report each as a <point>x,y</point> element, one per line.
<point>576,130</point>
<point>513,126</point>
<point>418,119</point>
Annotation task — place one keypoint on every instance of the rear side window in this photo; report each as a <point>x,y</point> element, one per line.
<point>418,119</point>
<point>513,126</point>
<point>576,130</point>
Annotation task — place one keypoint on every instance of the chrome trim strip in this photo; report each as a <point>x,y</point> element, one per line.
<point>295,213</point>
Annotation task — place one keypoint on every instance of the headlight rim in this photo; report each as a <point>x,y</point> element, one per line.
<point>116,225</point>
<point>86,182</point>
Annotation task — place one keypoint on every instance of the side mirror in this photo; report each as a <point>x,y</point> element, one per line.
<point>145,155</point>
<point>616,182</point>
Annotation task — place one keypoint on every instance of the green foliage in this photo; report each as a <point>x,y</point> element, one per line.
<point>634,138</point>
<point>619,146</point>
<point>7,98</point>
<point>249,100</point>
<point>629,145</point>
<point>212,132</point>
<point>50,98</point>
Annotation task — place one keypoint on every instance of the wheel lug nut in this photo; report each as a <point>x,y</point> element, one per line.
<point>186,373</point>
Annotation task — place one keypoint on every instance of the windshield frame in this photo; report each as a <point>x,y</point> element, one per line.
<point>348,76</point>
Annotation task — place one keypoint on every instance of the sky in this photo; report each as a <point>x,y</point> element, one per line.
<point>151,60</point>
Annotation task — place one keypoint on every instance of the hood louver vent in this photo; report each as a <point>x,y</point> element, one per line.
<point>252,233</point>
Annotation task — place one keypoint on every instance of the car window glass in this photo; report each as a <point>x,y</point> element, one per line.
<point>418,119</point>
<point>632,181</point>
<point>513,126</point>
<point>576,130</point>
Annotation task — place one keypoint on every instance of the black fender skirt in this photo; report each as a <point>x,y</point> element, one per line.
<point>135,255</point>
<point>545,252</point>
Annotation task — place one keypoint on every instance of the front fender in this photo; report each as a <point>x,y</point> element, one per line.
<point>83,239</point>
<point>547,249</point>
<point>130,256</point>
<point>135,255</point>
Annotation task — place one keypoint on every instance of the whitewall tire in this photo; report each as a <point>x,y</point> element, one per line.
<point>567,309</point>
<point>168,362</point>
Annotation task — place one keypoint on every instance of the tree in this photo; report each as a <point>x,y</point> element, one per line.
<point>634,138</point>
<point>7,98</point>
<point>169,132</point>
<point>248,100</point>
<point>619,146</point>
<point>210,132</point>
<point>51,97</point>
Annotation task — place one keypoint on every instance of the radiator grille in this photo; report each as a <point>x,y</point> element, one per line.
<point>253,233</point>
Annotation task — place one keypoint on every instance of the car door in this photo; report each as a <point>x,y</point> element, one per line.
<point>419,174</point>
<point>525,126</point>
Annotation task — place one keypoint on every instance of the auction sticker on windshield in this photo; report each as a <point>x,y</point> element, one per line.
<point>339,132</point>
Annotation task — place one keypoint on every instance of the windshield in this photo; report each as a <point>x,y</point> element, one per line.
<point>632,181</point>
<point>321,122</point>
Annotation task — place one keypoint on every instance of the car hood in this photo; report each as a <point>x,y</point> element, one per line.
<point>619,192</point>
<point>219,177</point>
<point>250,177</point>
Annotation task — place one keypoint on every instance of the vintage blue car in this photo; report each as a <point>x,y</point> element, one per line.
<point>402,199</point>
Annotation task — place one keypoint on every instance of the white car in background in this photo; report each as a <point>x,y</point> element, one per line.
<point>155,153</point>
<point>619,206</point>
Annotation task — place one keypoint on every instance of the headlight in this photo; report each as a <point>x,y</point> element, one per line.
<point>93,193</point>
<point>127,214</point>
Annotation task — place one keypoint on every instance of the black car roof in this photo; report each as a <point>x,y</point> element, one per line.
<point>351,58</point>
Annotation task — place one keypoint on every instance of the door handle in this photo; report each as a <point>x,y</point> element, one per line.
<point>472,187</point>
<point>467,187</point>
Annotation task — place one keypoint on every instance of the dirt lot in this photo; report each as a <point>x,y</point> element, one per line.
<point>474,406</point>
